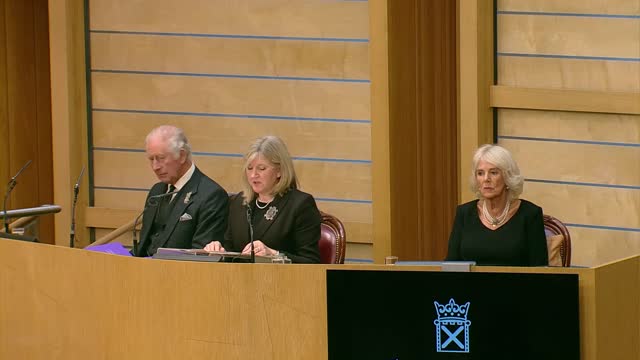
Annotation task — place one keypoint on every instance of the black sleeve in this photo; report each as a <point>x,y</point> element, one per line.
<point>537,240</point>
<point>306,233</point>
<point>212,221</point>
<point>455,238</point>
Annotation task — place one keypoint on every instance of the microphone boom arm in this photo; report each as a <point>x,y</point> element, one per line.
<point>12,183</point>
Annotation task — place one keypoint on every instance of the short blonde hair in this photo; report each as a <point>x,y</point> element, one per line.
<point>501,158</point>
<point>273,149</point>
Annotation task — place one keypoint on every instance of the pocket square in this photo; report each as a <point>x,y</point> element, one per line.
<point>185,217</point>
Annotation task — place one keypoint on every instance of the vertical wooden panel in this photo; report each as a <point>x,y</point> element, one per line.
<point>4,123</point>
<point>21,97</point>
<point>43,116</point>
<point>26,124</point>
<point>475,58</point>
<point>380,126</point>
<point>68,111</point>
<point>423,126</point>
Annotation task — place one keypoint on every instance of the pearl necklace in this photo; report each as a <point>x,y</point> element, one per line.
<point>264,206</point>
<point>497,220</point>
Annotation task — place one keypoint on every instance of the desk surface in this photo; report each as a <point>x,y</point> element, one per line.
<point>61,303</point>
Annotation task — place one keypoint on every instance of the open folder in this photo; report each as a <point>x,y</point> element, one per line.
<point>204,255</point>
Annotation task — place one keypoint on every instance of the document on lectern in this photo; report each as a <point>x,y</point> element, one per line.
<point>208,256</point>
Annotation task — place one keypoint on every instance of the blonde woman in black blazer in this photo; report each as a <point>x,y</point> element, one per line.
<point>285,219</point>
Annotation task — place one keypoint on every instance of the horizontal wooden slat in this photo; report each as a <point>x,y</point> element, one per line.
<point>112,218</point>
<point>569,125</point>
<point>581,36</point>
<point>233,135</point>
<point>616,7</point>
<point>315,99</point>
<point>615,165</point>
<point>321,179</point>
<point>101,217</point>
<point>264,57</point>
<point>569,74</point>
<point>316,18</point>
<point>592,247</point>
<point>565,100</point>
<point>359,251</point>
<point>587,205</point>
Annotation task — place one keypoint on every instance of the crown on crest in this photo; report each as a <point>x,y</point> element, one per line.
<point>452,310</point>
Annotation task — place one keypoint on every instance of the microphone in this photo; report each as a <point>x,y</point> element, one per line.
<point>76,189</point>
<point>12,183</point>
<point>249,220</point>
<point>151,201</point>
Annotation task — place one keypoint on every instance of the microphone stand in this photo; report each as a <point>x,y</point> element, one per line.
<point>135,225</point>
<point>151,201</point>
<point>250,221</point>
<point>76,189</point>
<point>12,183</point>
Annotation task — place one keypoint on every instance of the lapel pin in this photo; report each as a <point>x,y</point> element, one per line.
<point>187,198</point>
<point>271,213</point>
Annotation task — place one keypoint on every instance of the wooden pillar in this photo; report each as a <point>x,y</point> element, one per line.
<point>414,127</point>
<point>69,113</point>
<point>25,116</point>
<point>476,57</point>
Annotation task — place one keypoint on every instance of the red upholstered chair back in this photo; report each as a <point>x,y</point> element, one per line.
<point>553,226</point>
<point>333,240</point>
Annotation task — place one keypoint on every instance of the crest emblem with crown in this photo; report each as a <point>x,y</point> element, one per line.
<point>452,321</point>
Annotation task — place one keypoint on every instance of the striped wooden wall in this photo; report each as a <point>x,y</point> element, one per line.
<point>582,167</point>
<point>228,72</point>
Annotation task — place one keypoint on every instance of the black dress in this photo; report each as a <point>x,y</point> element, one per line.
<point>521,241</point>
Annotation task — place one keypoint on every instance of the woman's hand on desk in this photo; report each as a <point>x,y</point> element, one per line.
<point>214,246</point>
<point>259,248</point>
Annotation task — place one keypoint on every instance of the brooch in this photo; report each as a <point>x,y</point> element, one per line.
<point>187,198</point>
<point>271,213</point>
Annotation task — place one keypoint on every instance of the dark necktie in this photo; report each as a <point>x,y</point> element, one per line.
<point>165,207</point>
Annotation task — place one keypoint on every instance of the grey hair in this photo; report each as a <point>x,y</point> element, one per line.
<point>501,158</point>
<point>273,149</point>
<point>174,137</point>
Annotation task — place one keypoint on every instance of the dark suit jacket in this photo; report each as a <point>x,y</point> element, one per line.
<point>294,230</point>
<point>200,198</point>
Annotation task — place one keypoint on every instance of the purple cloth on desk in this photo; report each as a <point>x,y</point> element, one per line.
<point>110,248</point>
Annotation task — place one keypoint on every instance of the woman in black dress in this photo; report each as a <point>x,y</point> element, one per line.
<point>284,219</point>
<point>498,228</point>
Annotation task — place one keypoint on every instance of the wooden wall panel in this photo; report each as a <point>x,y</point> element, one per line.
<point>4,100</point>
<point>333,140</point>
<point>315,18</point>
<point>227,73</point>
<point>587,205</point>
<point>587,163</point>
<point>422,126</point>
<point>25,118</point>
<point>581,164</point>
<point>556,73</point>
<point>315,176</point>
<point>596,127</point>
<point>249,56</point>
<point>614,7</point>
<point>241,96</point>
<point>22,114</point>
<point>569,35</point>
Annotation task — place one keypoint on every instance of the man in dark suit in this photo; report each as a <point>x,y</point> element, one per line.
<point>194,210</point>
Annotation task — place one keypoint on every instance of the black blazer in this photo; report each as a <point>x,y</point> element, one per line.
<point>198,217</point>
<point>294,229</point>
